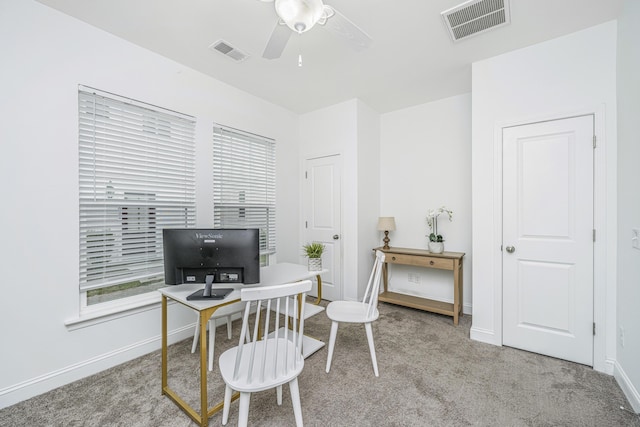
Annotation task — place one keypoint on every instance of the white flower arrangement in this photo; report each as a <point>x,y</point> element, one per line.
<point>432,220</point>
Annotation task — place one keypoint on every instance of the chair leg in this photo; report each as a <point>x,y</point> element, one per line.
<point>227,402</point>
<point>332,343</point>
<point>295,399</point>
<point>279,394</point>
<point>196,335</point>
<point>212,341</point>
<point>229,334</point>
<point>243,414</point>
<point>372,349</point>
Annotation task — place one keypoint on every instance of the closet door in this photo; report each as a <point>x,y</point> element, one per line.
<point>548,238</point>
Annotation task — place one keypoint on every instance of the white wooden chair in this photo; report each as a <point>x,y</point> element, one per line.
<point>364,312</point>
<point>272,358</point>
<point>223,312</point>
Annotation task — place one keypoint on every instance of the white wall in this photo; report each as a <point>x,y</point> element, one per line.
<point>350,129</point>
<point>45,55</point>
<point>627,368</point>
<point>333,131</point>
<point>368,191</point>
<point>425,163</point>
<point>569,75</point>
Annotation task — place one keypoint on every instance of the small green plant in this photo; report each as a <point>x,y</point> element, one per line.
<point>313,250</point>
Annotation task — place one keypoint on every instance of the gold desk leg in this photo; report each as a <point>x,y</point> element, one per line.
<point>319,279</point>
<point>205,315</point>
<point>164,343</point>
<point>203,418</point>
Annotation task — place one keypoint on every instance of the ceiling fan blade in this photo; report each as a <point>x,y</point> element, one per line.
<point>341,26</point>
<point>277,42</point>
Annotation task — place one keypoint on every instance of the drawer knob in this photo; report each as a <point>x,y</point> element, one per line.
<point>430,262</point>
<point>393,258</point>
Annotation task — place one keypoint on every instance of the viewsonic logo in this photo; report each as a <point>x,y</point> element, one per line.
<point>208,236</point>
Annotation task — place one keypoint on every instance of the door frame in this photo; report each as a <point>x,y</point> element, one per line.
<point>603,297</point>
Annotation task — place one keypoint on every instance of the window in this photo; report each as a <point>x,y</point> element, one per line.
<point>244,184</point>
<point>137,176</point>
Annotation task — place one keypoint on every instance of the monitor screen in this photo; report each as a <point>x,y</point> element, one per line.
<point>229,255</point>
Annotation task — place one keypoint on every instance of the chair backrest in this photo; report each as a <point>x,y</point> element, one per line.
<point>274,350</point>
<point>373,287</point>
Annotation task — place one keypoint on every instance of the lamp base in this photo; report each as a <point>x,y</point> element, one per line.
<point>386,240</point>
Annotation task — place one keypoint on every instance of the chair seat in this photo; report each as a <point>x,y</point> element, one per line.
<point>350,312</point>
<point>228,359</point>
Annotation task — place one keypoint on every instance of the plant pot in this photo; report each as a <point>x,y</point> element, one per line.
<point>315,264</point>
<point>436,247</point>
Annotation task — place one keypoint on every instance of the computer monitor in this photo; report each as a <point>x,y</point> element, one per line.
<point>223,255</point>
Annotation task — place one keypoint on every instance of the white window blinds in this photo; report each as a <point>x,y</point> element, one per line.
<point>244,183</point>
<point>137,177</point>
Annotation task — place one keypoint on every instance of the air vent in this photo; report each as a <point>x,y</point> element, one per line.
<point>226,49</point>
<point>476,16</point>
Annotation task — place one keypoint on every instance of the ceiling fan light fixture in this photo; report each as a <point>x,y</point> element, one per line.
<point>327,12</point>
<point>300,15</point>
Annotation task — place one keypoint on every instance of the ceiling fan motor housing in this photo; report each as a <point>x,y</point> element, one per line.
<point>299,15</point>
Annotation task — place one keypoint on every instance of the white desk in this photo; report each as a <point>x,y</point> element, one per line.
<point>272,275</point>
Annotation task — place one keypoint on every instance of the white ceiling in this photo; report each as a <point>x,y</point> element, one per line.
<point>411,60</point>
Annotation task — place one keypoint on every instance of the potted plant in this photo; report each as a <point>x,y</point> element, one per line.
<point>436,241</point>
<point>314,251</point>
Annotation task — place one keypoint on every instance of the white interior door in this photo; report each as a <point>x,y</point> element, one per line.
<point>548,238</point>
<point>322,204</point>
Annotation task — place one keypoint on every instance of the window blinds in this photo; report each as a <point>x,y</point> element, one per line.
<point>244,183</point>
<point>137,176</point>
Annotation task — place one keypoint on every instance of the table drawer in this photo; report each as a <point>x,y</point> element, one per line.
<point>420,261</point>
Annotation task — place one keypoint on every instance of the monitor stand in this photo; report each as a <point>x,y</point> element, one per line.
<point>209,293</point>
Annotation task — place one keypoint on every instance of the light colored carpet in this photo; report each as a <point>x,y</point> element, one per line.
<point>431,374</point>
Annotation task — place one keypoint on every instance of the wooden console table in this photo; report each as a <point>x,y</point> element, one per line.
<point>423,258</point>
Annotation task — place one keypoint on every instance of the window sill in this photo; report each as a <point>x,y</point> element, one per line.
<point>91,317</point>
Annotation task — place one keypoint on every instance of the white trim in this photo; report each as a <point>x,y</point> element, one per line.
<point>467,308</point>
<point>631,393</point>
<point>483,335</point>
<point>601,293</point>
<point>117,309</point>
<point>604,299</point>
<point>609,367</point>
<point>43,383</point>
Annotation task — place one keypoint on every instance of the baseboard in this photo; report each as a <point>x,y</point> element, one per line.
<point>608,367</point>
<point>467,309</point>
<point>482,335</point>
<point>627,387</point>
<point>43,383</point>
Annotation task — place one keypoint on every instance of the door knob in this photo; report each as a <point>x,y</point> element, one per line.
<point>511,249</point>
<point>336,237</point>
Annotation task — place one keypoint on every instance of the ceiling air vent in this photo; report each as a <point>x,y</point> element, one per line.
<point>475,16</point>
<point>226,49</point>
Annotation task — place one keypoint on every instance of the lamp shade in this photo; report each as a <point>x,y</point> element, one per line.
<point>386,223</point>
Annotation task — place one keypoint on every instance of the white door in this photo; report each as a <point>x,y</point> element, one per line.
<point>322,204</point>
<point>548,238</point>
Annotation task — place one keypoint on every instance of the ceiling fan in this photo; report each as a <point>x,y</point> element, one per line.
<point>301,15</point>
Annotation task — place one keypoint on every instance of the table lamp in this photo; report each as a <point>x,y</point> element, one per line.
<point>386,224</point>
